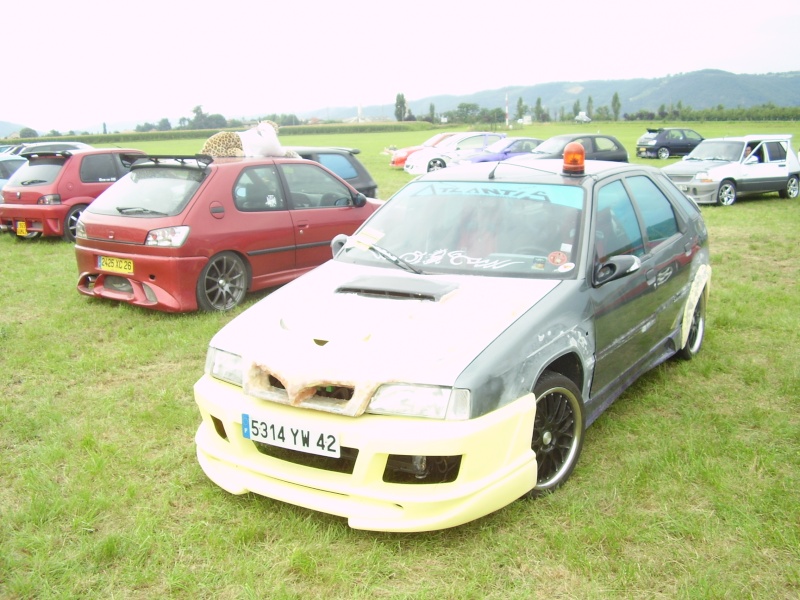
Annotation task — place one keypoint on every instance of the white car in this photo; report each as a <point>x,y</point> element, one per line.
<point>719,170</point>
<point>440,156</point>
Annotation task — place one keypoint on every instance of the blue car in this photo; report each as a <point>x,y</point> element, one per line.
<point>501,150</point>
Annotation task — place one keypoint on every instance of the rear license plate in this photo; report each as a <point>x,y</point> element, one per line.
<point>115,265</point>
<point>22,228</point>
<point>290,436</point>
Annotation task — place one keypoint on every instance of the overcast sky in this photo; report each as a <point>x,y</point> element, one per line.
<point>76,65</point>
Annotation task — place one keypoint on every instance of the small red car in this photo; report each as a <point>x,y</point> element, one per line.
<point>47,195</point>
<point>186,232</point>
<point>399,156</point>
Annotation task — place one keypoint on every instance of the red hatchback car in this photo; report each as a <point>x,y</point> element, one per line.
<point>185,232</point>
<point>47,195</point>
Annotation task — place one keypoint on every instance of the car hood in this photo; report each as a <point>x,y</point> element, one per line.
<point>351,324</point>
<point>690,167</point>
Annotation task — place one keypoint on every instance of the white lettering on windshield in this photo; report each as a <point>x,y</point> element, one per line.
<point>456,258</point>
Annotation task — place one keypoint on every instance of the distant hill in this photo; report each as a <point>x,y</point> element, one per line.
<point>698,90</point>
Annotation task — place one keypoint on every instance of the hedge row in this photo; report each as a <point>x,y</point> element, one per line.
<point>183,134</point>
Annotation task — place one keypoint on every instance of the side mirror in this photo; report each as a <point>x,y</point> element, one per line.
<point>338,242</point>
<point>615,268</point>
<point>360,200</point>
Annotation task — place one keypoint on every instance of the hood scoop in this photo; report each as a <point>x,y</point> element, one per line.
<point>400,288</point>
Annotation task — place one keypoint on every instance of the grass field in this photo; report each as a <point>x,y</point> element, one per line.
<point>687,486</point>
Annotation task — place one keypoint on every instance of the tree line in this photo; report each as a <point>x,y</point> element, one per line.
<point>471,113</point>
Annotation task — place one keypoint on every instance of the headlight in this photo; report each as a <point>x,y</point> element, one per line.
<point>224,365</point>
<point>649,143</point>
<point>169,237</point>
<point>428,401</point>
<point>80,230</point>
<point>703,177</point>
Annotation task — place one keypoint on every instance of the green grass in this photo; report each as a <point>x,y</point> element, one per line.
<point>687,486</point>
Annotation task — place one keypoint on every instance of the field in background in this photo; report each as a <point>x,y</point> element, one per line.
<point>687,486</point>
<point>373,145</point>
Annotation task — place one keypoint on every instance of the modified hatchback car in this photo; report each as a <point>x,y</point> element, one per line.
<point>448,360</point>
<point>186,232</point>
<point>721,170</point>
<point>664,142</point>
<point>596,146</point>
<point>451,148</point>
<point>47,196</point>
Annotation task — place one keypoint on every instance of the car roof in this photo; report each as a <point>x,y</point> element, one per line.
<point>547,170</point>
<point>341,149</point>
<point>752,137</point>
<point>78,151</point>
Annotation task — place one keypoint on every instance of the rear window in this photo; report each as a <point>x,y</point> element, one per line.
<point>339,165</point>
<point>149,192</point>
<point>40,171</point>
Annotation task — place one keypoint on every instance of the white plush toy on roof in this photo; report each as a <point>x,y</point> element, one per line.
<point>261,140</point>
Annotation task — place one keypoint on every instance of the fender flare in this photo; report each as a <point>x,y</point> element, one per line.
<point>700,286</point>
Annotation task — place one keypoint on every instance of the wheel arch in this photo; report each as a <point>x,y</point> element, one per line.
<point>700,288</point>
<point>569,365</point>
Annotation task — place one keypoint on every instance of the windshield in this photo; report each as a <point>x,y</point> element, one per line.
<point>436,140</point>
<point>551,146</point>
<point>498,146</point>
<point>487,228</point>
<point>717,150</point>
<point>149,192</point>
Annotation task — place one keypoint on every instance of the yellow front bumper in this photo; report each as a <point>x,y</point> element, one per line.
<point>497,465</point>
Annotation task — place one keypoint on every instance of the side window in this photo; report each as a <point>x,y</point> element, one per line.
<point>656,210</point>
<point>586,143</point>
<point>693,135</point>
<point>98,168</point>
<point>604,144</point>
<point>258,189</point>
<point>338,164</point>
<point>475,141</point>
<point>491,139</point>
<point>616,227</point>
<point>313,187</point>
<point>776,151</point>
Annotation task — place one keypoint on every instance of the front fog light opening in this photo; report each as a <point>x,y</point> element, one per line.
<point>421,469</point>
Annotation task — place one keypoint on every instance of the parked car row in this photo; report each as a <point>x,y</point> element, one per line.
<point>460,148</point>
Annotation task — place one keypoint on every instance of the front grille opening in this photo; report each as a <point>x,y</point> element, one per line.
<point>219,427</point>
<point>276,383</point>
<point>337,392</point>
<point>345,464</point>
<point>421,469</point>
<point>119,284</point>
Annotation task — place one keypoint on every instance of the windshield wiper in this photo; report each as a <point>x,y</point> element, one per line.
<point>33,181</point>
<point>395,259</point>
<point>138,210</point>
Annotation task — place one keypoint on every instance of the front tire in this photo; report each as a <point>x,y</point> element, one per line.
<point>792,188</point>
<point>71,222</point>
<point>726,195</point>
<point>663,153</point>
<point>436,164</point>
<point>558,430</point>
<point>223,283</point>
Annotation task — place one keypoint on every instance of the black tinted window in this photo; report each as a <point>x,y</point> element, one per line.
<point>776,150</point>
<point>258,189</point>
<point>98,168</point>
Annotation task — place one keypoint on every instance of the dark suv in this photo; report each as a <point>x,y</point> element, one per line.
<point>344,163</point>
<point>47,195</point>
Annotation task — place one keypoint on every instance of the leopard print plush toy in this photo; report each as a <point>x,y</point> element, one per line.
<point>261,140</point>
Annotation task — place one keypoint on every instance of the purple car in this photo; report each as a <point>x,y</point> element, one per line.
<point>501,149</point>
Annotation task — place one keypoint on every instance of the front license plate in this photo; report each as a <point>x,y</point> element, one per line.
<point>22,228</point>
<point>290,436</point>
<point>115,265</point>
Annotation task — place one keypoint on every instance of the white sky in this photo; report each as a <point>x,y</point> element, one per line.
<point>76,65</point>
